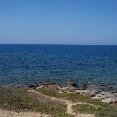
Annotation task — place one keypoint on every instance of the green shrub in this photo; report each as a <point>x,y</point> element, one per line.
<point>98,109</point>
<point>105,114</point>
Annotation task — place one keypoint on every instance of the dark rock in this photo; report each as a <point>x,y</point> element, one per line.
<point>72,83</point>
<point>32,86</point>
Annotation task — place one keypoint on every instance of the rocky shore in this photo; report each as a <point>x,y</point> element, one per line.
<point>49,99</point>
<point>104,92</point>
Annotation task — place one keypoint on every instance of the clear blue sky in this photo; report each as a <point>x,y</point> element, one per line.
<point>58,21</point>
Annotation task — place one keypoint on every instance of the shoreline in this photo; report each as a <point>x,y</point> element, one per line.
<point>67,100</point>
<point>104,92</point>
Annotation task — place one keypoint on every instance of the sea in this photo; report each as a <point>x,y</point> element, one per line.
<point>26,64</point>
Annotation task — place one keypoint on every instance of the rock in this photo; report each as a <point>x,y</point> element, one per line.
<point>109,100</point>
<point>71,89</point>
<point>49,85</point>
<point>115,95</point>
<point>106,97</point>
<point>32,86</point>
<point>92,93</point>
<point>72,83</point>
<point>81,91</point>
<point>93,87</point>
<point>40,87</point>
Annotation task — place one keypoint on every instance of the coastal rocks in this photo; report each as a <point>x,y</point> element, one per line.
<point>72,83</point>
<point>89,88</point>
<point>91,93</point>
<point>102,95</point>
<point>70,89</point>
<point>94,91</point>
<point>108,87</point>
<point>32,86</point>
<point>49,85</point>
<point>110,100</point>
<point>105,93</point>
<point>106,97</point>
<point>92,87</point>
<point>67,89</point>
<point>61,89</point>
<point>81,91</point>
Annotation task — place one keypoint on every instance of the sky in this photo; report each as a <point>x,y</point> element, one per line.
<point>79,22</point>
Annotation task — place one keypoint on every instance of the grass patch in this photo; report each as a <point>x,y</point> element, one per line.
<point>105,114</point>
<point>97,107</point>
<point>98,110</point>
<point>83,108</point>
<point>50,92</point>
<point>18,99</point>
<point>70,96</point>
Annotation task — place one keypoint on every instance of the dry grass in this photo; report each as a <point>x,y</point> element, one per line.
<point>18,99</point>
<point>93,106</point>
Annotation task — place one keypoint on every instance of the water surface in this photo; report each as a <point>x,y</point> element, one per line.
<point>24,64</point>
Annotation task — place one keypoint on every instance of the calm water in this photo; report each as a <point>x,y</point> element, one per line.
<point>24,64</point>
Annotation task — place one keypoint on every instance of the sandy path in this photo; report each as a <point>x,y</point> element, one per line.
<point>67,102</point>
<point>5,113</point>
<point>69,108</point>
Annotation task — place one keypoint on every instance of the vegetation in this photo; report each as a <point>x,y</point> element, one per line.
<point>105,114</point>
<point>18,99</point>
<point>83,108</point>
<point>50,92</point>
<point>86,108</point>
<point>96,107</point>
<point>70,96</point>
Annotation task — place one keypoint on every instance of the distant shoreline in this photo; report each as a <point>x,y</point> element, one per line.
<point>59,44</point>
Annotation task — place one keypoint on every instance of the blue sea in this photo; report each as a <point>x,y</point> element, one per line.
<point>25,64</point>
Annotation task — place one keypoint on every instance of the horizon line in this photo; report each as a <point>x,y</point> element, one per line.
<point>58,44</point>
